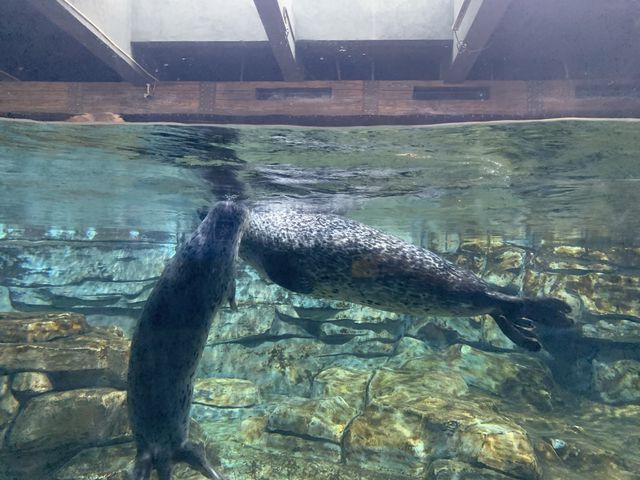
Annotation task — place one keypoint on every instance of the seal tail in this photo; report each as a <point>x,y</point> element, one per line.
<point>519,318</point>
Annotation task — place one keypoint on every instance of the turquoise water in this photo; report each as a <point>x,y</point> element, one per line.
<point>90,214</point>
<point>555,181</point>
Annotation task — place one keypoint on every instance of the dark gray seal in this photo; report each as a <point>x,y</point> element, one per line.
<point>170,337</point>
<point>333,257</point>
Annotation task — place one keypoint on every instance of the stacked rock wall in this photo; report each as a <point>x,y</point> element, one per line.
<point>294,386</point>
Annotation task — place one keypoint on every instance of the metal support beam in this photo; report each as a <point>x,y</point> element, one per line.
<point>4,76</point>
<point>474,24</point>
<point>278,27</point>
<point>73,22</point>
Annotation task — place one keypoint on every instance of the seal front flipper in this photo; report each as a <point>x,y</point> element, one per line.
<point>287,271</point>
<point>193,454</point>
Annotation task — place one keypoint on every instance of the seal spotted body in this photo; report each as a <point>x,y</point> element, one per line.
<point>169,339</point>
<point>337,258</point>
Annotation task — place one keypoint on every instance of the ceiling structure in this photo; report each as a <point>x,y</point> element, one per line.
<point>270,40</point>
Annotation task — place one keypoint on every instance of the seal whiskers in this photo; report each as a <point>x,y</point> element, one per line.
<point>169,339</point>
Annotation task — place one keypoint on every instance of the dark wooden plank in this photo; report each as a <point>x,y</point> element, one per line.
<point>281,37</point>
<point>473,27</point>
<point>350,102</point>
<point>169,97</point>
<point>34,97</point>
<point>65,16</point>
<point>235,98</point>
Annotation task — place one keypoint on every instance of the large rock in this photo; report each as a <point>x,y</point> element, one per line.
<point>39,327</point>
<point>347,383</point>
<point>513,375</point>
<point>71,419</point>
<point>387,440</point>
<point>5,300</point>
<point>324,419</point>
<point>617,382</point>
<point>449,422</point>
<point>399,388</point>
<point>601,293</point>
<point>94,359</point>
<point>288,366</point>
<point>8,407</point>
<point>30,384</point>
<point>226,392</point>
<point>456,470</point>
<point>612,331</point>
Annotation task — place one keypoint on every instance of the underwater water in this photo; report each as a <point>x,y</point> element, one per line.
<point>292,386</point>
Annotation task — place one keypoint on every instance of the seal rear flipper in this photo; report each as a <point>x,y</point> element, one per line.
<point>549,312</point>
<point>142,467</point>
<point>520,331</point>
<point>520,318</point>
<point>193,454</point>
<point>163,468</point>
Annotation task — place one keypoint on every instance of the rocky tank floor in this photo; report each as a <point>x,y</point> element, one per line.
<point>421,412</point>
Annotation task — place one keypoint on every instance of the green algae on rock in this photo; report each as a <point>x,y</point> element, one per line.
<point>617,382</point>
<point>325,418</point>
<point>30,384</point>
<point>225,392</point>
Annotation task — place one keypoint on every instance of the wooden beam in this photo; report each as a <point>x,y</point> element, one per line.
<point>73,22</point>
<point>473,26</point>
<point>278,27</point>
<point>323,103</point>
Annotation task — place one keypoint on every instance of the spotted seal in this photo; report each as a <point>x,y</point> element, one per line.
<point>169,339</point>
<point>337,258</point>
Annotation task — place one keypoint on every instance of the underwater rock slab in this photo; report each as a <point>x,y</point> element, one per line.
<point>350,384</point>
<point>226,392</point>
<point>601,293</point>
<point>39,327</point>
<point>8,407</point>
<point>100,463</point>
<point>95,358</point>
<point>617,382</point>
<point>324,419</point>
<point>439,331</point>
<point>514,375</point>
<point>501,446</point>
<point>30,384</point>
<point>5,300</point>
<point>304,450</point>
<point>617,331</point>
<point>398,388</point>
<point>389,441</point>
<point>455,470</point>
<point>465,427</point>
<point>288,366</point>
<point>505,266</point>
<point>67,263</point>
<point>71,418</point>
